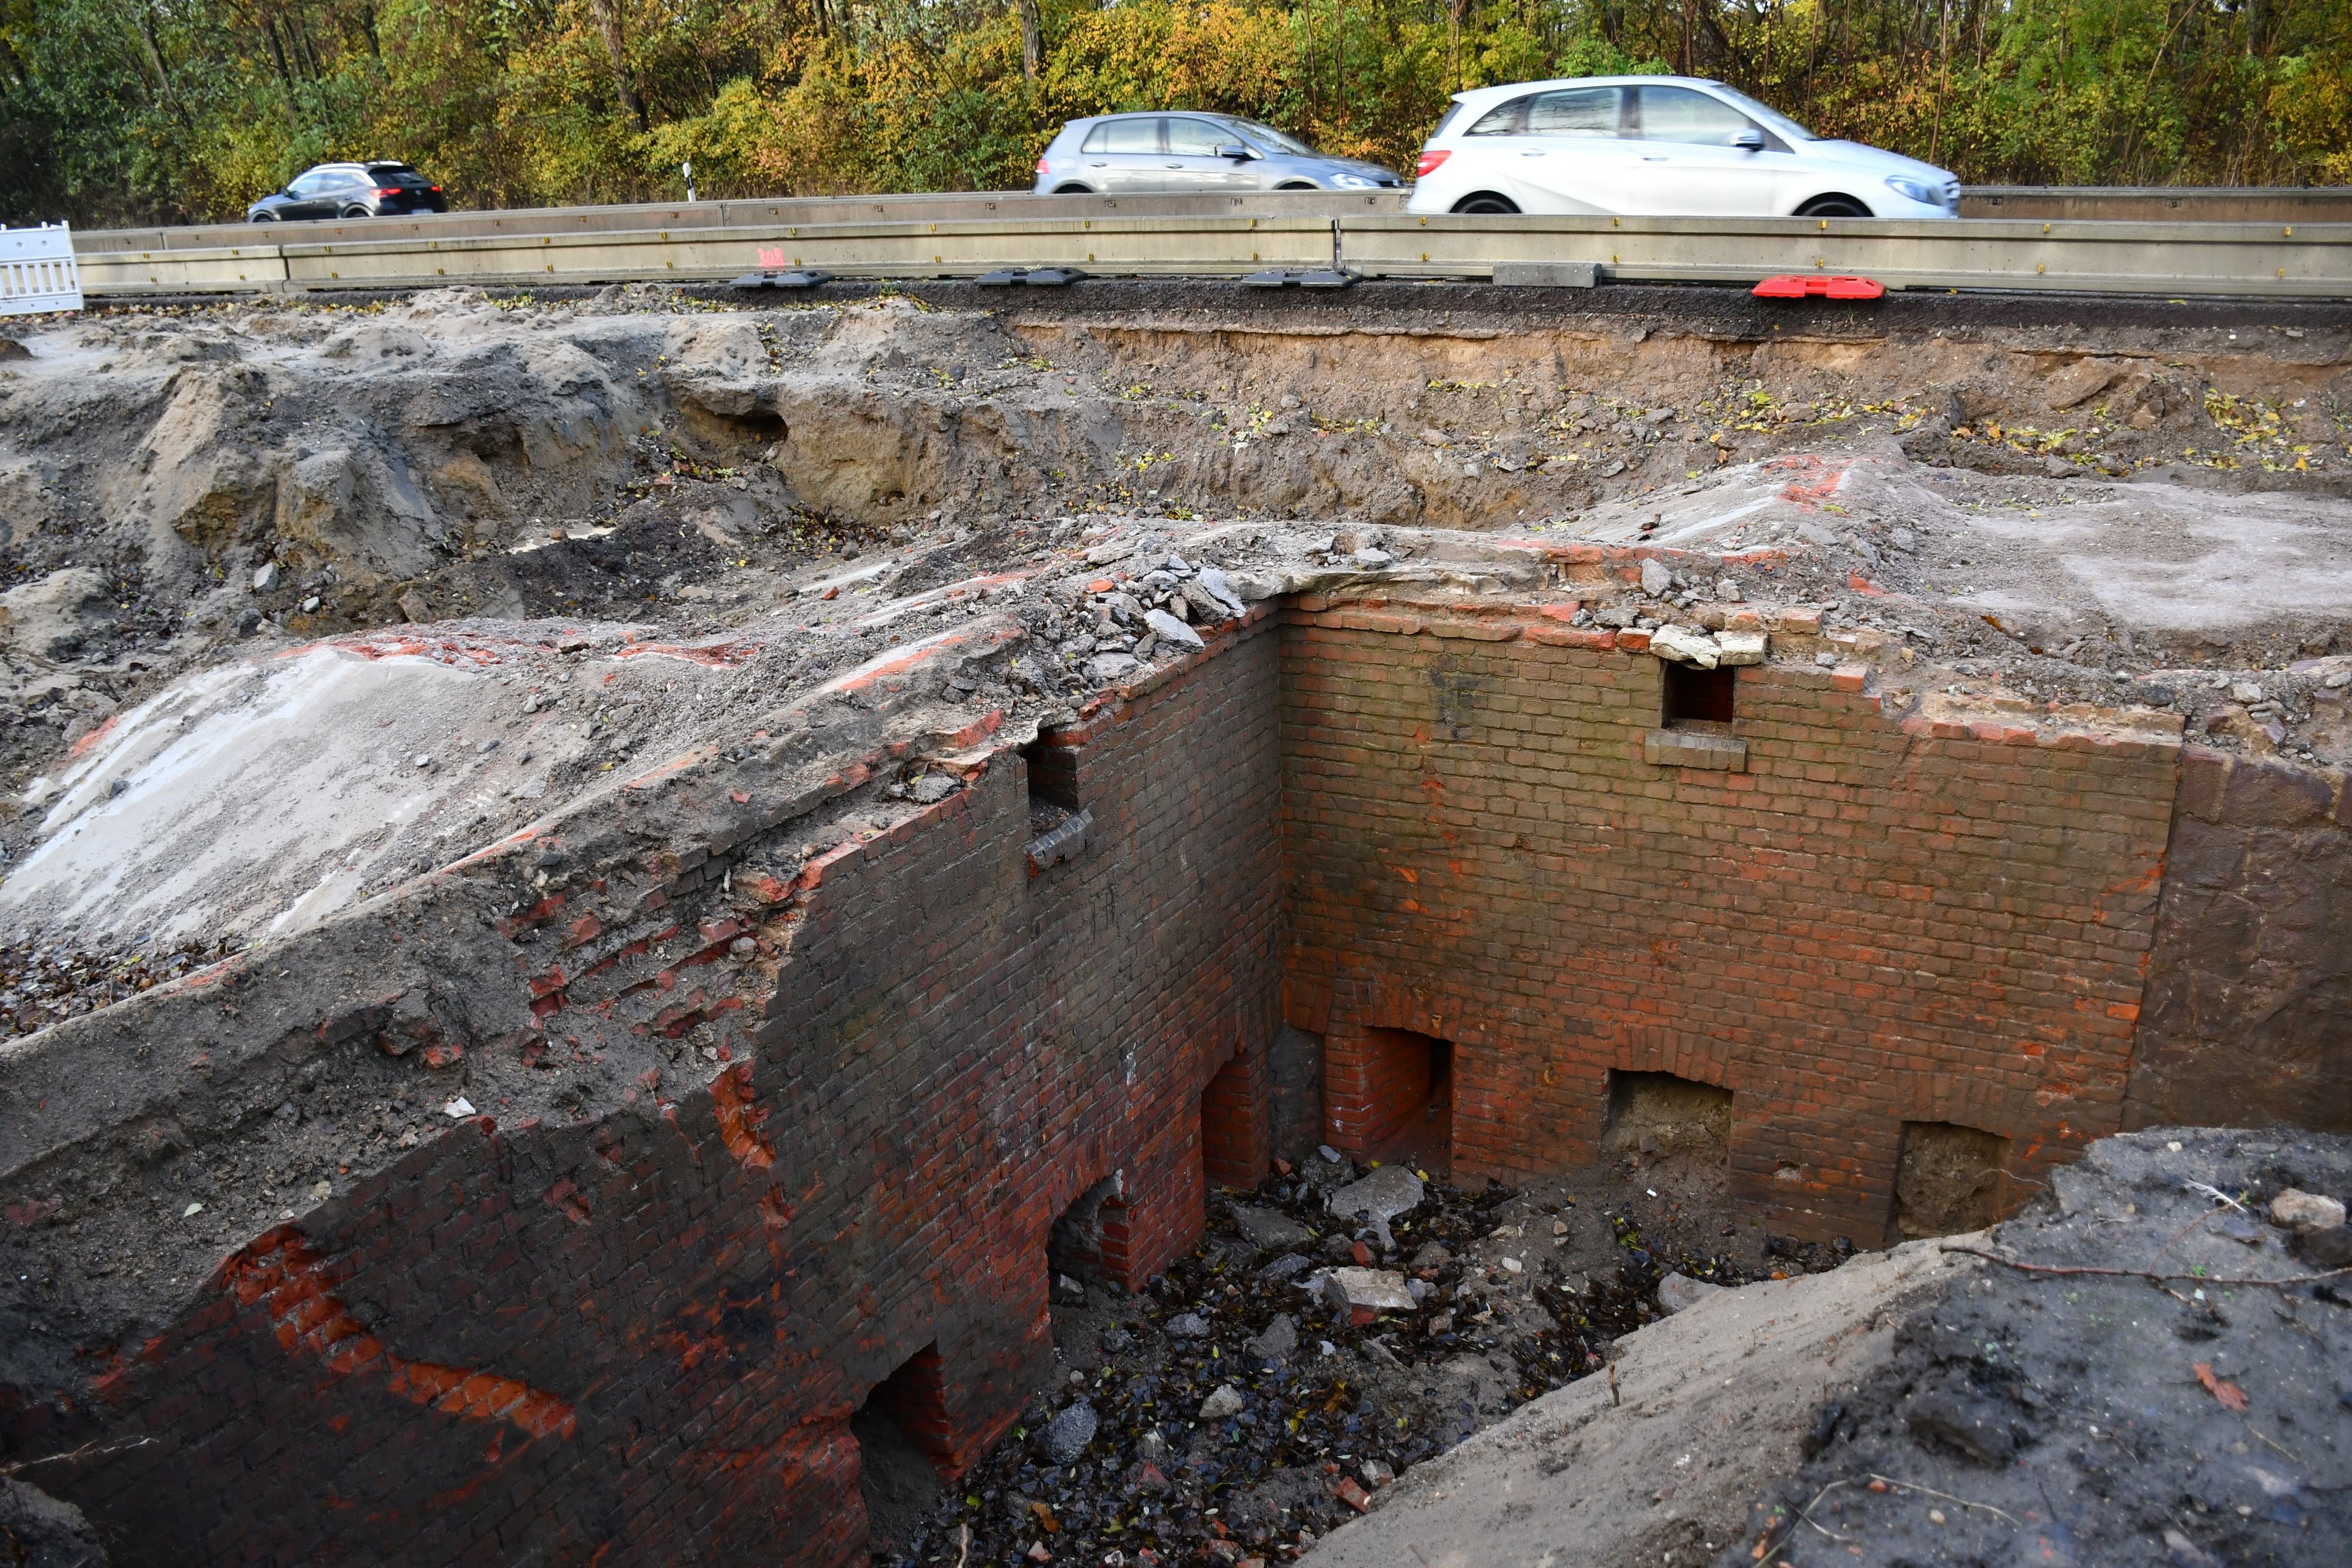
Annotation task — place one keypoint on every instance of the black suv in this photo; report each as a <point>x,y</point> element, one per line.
<point>351,191</point>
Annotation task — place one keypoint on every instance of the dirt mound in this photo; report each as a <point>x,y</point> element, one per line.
<point>1933,1405</point>
<point>2166,1377</point>
<point>1658,1460</point>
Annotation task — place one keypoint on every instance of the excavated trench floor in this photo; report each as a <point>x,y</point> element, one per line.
<point>305,600</point>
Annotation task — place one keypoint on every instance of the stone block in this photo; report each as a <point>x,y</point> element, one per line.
<point>1740,647</point>
<point>1694,749</point>
<point>1686,644</point>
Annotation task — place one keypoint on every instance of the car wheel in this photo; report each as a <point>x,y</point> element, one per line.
<point>1073,190</point>
<point>354,212</point>
<point>1296,185</point>
<point>261,217</point>
<point>1485,202</point>
<point>1833,207</point>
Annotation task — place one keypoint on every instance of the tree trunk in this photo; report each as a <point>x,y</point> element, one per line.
<point>1033,40</point>
<point>608,17</point>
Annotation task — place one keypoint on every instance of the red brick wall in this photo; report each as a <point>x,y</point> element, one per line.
<point>1238,1122</point>
<point>1375,1085</point>
<point>2249,1012</point>
<point>640,1340</point>
<point>1873,923</point>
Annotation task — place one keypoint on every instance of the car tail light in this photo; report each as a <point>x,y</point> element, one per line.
<point>436,189</point>
<point>1430,160</point>
<point>388,191</point>
<point>1041,165</point>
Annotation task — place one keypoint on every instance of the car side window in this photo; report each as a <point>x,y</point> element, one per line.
<point>1124,136</point>
<point>1504,119</point>
<point>1679,114</point>
<point>352,177</point>
<point>1585,111</point>
<point>1198,138</point>
<point>309,184</point>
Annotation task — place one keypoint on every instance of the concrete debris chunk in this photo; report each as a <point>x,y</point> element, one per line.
<point>1678,1291</point>
<point>933,787</point>
<point>1686,646</point>
<point>459,1109</point>
<point>2304,1212</point>
<point>1218,584</point>
<point>1269,1229</point>
<point>265,578</point>
<point>1206,606</point>
<point>1739,647</point>
<point>1287,1266</point>
<point>1365,1291</point>
<point>1223,1401</point>
<point>1189,1325</point>
<point>1280,1338</point>
<point>1112,667</point>
<point>1067,1434</point>
<point>1656,581</point>
<point>1377,1198</point>
<point>1167,629</point>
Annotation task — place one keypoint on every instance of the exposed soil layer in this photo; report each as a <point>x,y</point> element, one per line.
<point>2001,501</point>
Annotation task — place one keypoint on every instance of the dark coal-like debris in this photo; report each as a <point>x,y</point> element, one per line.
<point>1308,1437</point>
<point>41,985</point>
<point>2086,1419</point>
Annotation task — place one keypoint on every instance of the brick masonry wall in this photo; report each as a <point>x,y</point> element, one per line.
<point>1873,923</point>
<point>640,1339</point>
<point>637,1336</point>
<point>2248,1019</point>
<point>1375,1084</point>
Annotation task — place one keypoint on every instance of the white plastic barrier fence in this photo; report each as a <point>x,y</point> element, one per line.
<point>37,271</point>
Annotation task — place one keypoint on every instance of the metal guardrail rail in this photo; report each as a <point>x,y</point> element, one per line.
<point>2162,203</point>
<point>953,206</point>
<point>2288,260</point>
<point>2095,203</point>
<point>2274,260</point>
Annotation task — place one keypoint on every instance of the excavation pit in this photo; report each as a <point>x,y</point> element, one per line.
<point>815,928</point>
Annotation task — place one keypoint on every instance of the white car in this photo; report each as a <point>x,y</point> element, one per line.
<point>1658,146</point>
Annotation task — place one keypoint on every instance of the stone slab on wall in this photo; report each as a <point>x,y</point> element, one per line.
<point>1877,922</point>
<point>2247,1020</point>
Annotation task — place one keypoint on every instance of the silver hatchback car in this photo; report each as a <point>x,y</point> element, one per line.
<point>1115,154</point>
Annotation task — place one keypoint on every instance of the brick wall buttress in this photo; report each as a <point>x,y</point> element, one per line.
<point>2249,1014</point>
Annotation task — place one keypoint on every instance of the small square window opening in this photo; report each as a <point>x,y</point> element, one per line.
<point>1699,699</point>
